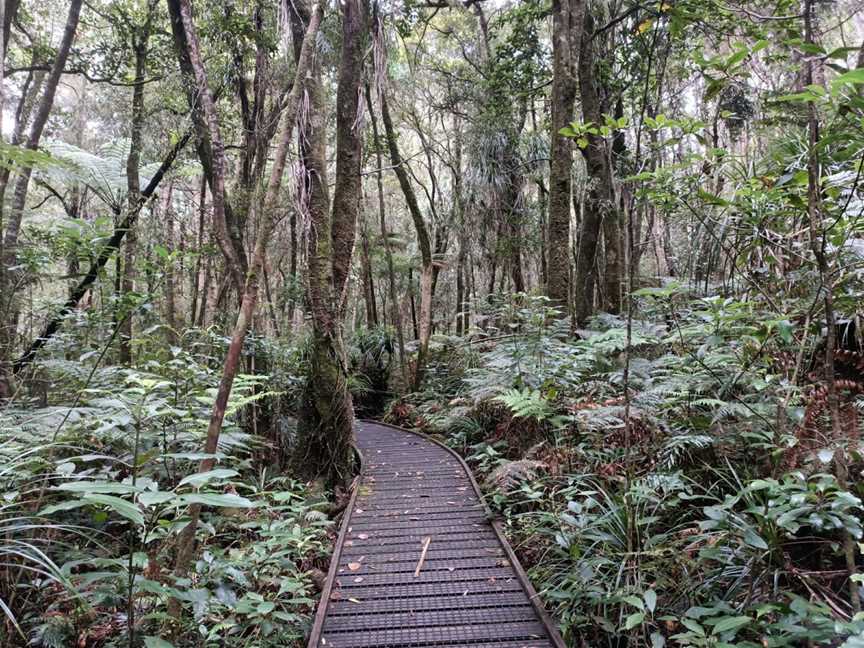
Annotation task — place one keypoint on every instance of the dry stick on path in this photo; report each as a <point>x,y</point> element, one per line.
<point>250,293</point>
<point>426,544</point>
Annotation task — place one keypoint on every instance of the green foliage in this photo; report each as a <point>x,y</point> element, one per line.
<point>691,535</point>
<point>98,484</point>
<point>526,403</point>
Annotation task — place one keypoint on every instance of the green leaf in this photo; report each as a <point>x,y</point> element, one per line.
<point>693,626</point>
<point>63,506</point>
<point>754,539</point>
<point>731,623</point>
<point>119,506</point>
<point>216,499</point>
<point>266,607</point>
<point>650,600</point>
<point>98,487</point>
<point>156,642</point>
<point>199,479</point>
<point>634,620</point>
<point>151,498</point>
<point>657,640</point>
<point>635,601</point>
<point>853,76</point>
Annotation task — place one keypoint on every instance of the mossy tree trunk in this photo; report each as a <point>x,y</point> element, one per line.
<point>325,428</point>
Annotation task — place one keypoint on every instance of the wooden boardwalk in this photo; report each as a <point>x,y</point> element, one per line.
<point>419,563</point>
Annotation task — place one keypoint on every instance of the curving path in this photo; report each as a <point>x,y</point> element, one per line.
<point>384,590</point>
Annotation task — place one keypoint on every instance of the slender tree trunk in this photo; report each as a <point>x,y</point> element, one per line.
<point>269,218</point>
<point>368,280</point>
<point>133,184</point>
<point>395,310</point>
<point>567,18</point>
<point>423,241</point>
<point>412,302</point>
<point>818,243</point>
<point>167,213</point>
<point>599,209</point>
<point>10,279</point>
<point>211,150</point>
<point>197,290</point>
<point>512,199</point>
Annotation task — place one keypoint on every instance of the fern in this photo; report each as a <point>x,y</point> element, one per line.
<point>508,475</point>
<point>526,404</point>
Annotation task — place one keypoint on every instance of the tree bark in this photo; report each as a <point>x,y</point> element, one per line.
<point>818,243</point>
<point>567,18</point>
<point>168,216</point>
<point>133,182</point>
<point>368,281</point>
<point>211,150</point>
<point>9,278</point>
<point>325,426</point>
<point>269,218</point>
<point>423,241</point>
<point>395,310</point>
<point>599,209</point>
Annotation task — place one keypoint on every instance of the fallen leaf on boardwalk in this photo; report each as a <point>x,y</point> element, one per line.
<point>359,579</point>
<point>354,600</point>
<point>363,536</point>
<point>358,510</point>
<point>451,569</point>
<point>354,566</point>
<point>503,563</point>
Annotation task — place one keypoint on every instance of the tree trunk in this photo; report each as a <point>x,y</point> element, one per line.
<point>368,281</point>
<point>818,243</point>
<point>423,241</point>
<point>269,219</point>
<point>197,290</point>
<point>9,278</point>
<point>395,310</point>
<point>512,199</point>
<point>599,208</point>
<point>325,427</point>
<point>133,185</point>
<point>211,150</point>
<point>167,213</point>
<point>567,18</point>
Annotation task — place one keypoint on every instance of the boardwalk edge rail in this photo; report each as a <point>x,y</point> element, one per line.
<point>318,625</point>
<point>326,591</point>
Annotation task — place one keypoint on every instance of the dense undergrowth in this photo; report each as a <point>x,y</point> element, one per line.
<point>684,494</point>
<point>97,475</point>
<point>687,495</point>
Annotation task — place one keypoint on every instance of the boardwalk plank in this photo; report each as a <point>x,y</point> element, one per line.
<point>469,592</point>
